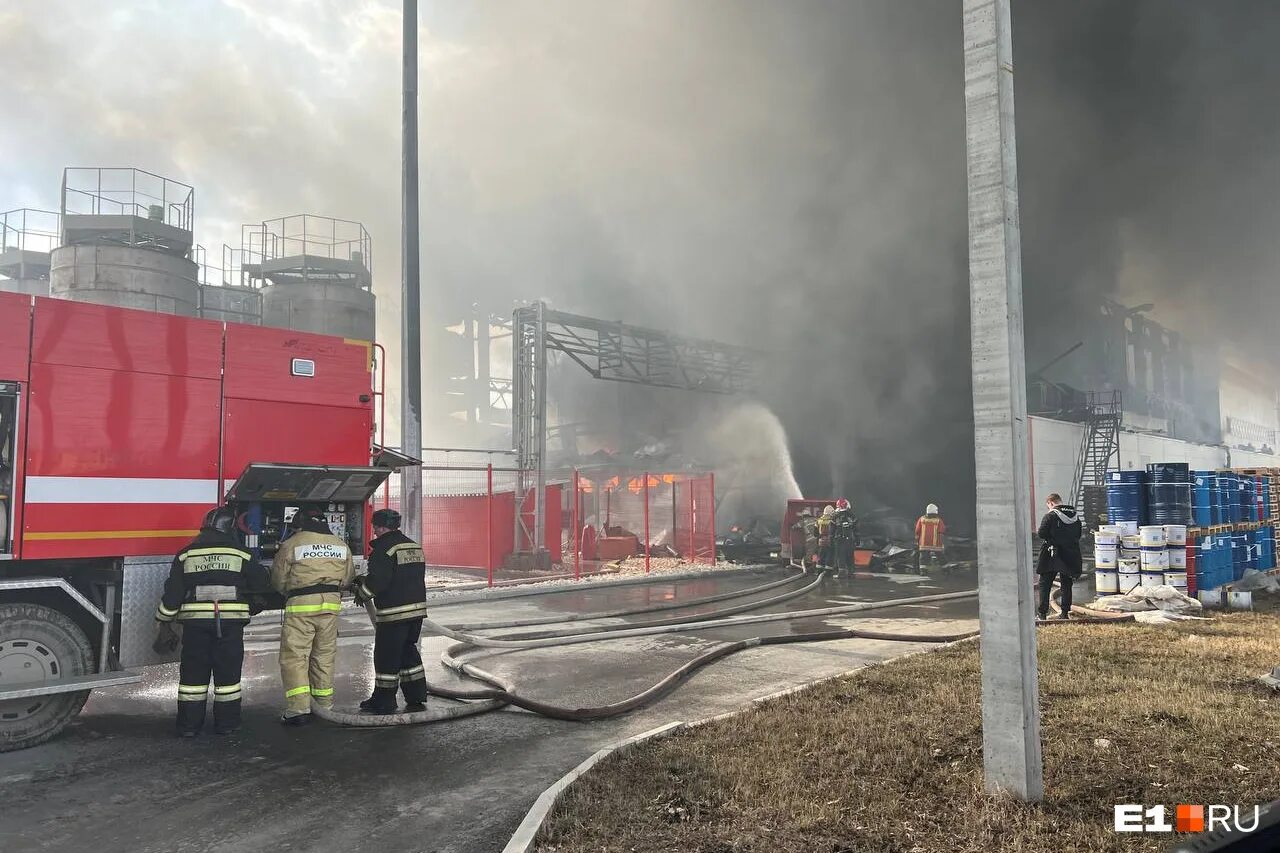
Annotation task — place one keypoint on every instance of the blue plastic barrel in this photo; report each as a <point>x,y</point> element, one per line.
<point>1126,497</point>
<point>1202,497</point>
<point>1169,493</point>
<point>1204,571</point>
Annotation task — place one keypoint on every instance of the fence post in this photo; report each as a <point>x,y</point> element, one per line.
<point>711,504</point>
<point>646,522</point>
<point>488,524</point>
<point>693,550</point>
<point>575,535</point>
<point>608,508</point>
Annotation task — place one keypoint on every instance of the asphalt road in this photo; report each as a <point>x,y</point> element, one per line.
<point>118,779</point>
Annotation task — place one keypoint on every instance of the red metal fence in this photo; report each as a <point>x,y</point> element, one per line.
<point>468,517</point>
<point>590,519</point>
<point>617,516</point>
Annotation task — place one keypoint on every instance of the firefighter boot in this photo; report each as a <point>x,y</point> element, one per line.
<point>226,712</point>
<point>383,700</point>
<point>191,709</point>
<point>413,682</point>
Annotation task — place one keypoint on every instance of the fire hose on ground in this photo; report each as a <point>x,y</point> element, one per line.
<point>1090,615</point>
<point>654,608</point>
<point>501,692</point>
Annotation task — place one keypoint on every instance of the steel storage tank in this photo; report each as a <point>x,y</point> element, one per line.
<point>27,286</point>
<point>325,308</point>
<point>315,273</point>
<point>125,277</point>
<point>126,242</point>
<point>27,236</point>
<point>231,304</point>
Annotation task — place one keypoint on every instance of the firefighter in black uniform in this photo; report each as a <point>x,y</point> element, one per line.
<point>844,536</point>
<point>207,591</point>
<point>396,584</point>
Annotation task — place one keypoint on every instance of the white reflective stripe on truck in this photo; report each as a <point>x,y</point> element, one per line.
<point>120,490</point>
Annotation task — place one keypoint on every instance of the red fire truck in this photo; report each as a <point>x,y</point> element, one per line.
<point>119,430</point>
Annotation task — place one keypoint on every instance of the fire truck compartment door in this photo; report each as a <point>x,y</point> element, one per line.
<point>386,457</point>
<point>262,481</point>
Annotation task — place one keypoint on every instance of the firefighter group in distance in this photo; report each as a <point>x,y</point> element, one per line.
<point>215,586</point>
<point>828,540</point>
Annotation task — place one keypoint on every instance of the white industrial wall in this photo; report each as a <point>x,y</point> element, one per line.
<point>1055,451</point>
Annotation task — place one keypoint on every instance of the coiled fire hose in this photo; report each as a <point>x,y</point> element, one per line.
<point>490,703</point>
<point>502,692</point>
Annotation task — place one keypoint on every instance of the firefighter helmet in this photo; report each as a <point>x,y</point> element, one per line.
<point>931,509</point>
<point>387,518</point>
<point>828,510</point>
<point>220,519</point>
<point>843,503</point>
<point>311,520</point>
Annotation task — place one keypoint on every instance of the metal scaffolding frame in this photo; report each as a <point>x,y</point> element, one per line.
<point>612,351</point>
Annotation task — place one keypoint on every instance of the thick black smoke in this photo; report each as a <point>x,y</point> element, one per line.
<point>1149,165</point>
<point>793,177</point>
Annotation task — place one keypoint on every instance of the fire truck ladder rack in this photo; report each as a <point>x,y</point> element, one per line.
<point>613,351</point>
<point>1100,445</point>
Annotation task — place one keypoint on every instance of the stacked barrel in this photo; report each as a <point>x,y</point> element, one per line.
<point>1127,555</point>
<point>1235,517</point>
<point>1192,530</point>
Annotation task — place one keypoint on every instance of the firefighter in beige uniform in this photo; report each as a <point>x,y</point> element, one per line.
<point>311,569</point>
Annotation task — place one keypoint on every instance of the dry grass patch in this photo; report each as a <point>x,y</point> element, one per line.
<point>890,760</point>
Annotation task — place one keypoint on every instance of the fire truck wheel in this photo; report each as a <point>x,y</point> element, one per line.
<point>39,643</point>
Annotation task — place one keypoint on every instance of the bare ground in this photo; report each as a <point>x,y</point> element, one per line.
<point>890,760</point>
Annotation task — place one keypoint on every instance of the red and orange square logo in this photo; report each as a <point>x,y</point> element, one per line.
<point>1189,818</point>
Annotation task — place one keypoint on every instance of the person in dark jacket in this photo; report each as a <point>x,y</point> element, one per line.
<point>844,536</point>
<point>208,592</point>
<point>1059,533</point>
<point>396,584</point>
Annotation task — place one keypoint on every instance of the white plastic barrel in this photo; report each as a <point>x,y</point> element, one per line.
<point>1152,536</point>
<point>1177,580</point>
<point>1130,541</point>
<point>1107,535</point>
<point>1129,575</point>
<point>1155,558</point>
<point>1175,534</point>
<point>1106,581</point>
<point>1105,556</point>
<point>1127,528</point>
<point>1178,557</point>
<point>1152,577</point>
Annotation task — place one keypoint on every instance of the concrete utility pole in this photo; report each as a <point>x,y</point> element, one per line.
<point>1010,688</point>
<point>411,298</point>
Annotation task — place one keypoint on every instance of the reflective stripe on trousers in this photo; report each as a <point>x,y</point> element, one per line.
<point>227,693</point>
<point>325,607</point>
<point>192,692</point>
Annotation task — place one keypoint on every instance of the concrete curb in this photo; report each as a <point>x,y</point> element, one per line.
<point>526,835</point>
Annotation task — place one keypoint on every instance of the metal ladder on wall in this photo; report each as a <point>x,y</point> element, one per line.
<point>1100,445</point>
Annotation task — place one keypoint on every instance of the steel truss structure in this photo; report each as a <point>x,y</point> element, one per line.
<point>613,351</point>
